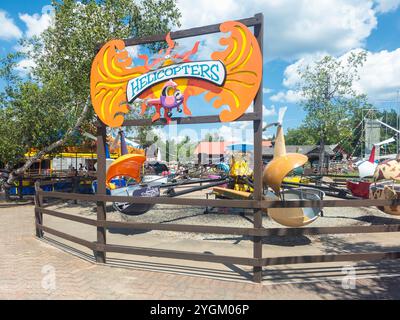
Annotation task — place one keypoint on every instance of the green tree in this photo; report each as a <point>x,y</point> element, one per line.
<point>145,136</point>
<point>185,149</point>
<point>390,117</point>
<point>299,136</point>
<point>45,108</point>
<point>329,98</point>
<point>210,137</point>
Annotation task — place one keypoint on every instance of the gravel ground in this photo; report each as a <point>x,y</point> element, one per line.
<point>334,216</point>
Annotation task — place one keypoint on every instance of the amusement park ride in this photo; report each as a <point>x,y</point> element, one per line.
<point>378,180</point>
<point>230,78</point>
<point>274,174</point>
<point>125,177</point>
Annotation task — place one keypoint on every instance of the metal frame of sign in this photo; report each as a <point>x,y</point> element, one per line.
<point>256,117</point>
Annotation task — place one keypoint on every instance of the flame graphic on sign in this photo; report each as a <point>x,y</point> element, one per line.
<point>109,76</point>
<point>243,61</point>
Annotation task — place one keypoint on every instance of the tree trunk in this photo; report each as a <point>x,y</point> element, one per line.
<point>17,172</point>
<point>167,151</point>
<point>321,155</point>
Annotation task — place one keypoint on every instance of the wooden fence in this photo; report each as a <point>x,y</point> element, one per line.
<point>100,247</point>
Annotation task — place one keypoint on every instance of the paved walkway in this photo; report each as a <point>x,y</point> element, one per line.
<point>33,269</point>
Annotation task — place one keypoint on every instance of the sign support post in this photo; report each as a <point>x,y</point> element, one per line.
<point>258,187</point>
<point>101,190</point>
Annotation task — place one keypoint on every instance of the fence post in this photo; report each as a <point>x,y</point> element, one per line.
<point>101,189</point>
<point>257,131</point>
<point>38,214</point>
<point>20,186</point>
<point>75,187</point>
<point>7,194</point>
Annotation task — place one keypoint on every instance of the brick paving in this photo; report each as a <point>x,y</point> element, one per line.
<point>33,269</point>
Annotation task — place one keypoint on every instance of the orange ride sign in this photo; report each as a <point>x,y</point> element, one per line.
<point>166,81</point>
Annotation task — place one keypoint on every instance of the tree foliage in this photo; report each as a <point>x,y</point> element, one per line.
<point>39,108</point>
<point>329,97</point>
<point>391,118</point>
<point>172,150</point>
<point>331,103</point>
<point>299,136</point>
<point>213,137</point>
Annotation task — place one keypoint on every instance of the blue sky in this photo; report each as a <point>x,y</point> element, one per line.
<point>296,32</point>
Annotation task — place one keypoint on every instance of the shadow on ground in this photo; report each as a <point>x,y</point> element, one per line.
<point>346,281</point>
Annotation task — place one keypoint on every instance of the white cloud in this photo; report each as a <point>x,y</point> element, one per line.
<point>228,133</point>
<point>158,132</point>
<point>132,51</point>
<point>25,66</point>
<point>8,30</point>
<point>269,112</point>
<point>244,125</point>
<point>379,77</point>
<point>383,6</point>
<point>234,132</point>
<point>268,137</point>
<point>267,90</point>
<point>36,23</point>
<point>197,13</point>
<point>208,44</point>
<point>293,28</point>
<point>289,96</point>
<point>291,77</point>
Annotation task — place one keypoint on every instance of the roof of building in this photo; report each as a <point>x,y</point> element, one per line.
<point>303,149</point>
<point>213,147</point>
<point>267,143</point>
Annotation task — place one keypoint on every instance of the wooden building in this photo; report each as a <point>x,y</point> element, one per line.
<point>311,151</point>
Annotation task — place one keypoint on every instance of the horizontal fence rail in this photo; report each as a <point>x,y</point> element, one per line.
<point>340,257</point>
<point>88,244</point>
<point>251,204</point>
<point>262,232</point>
